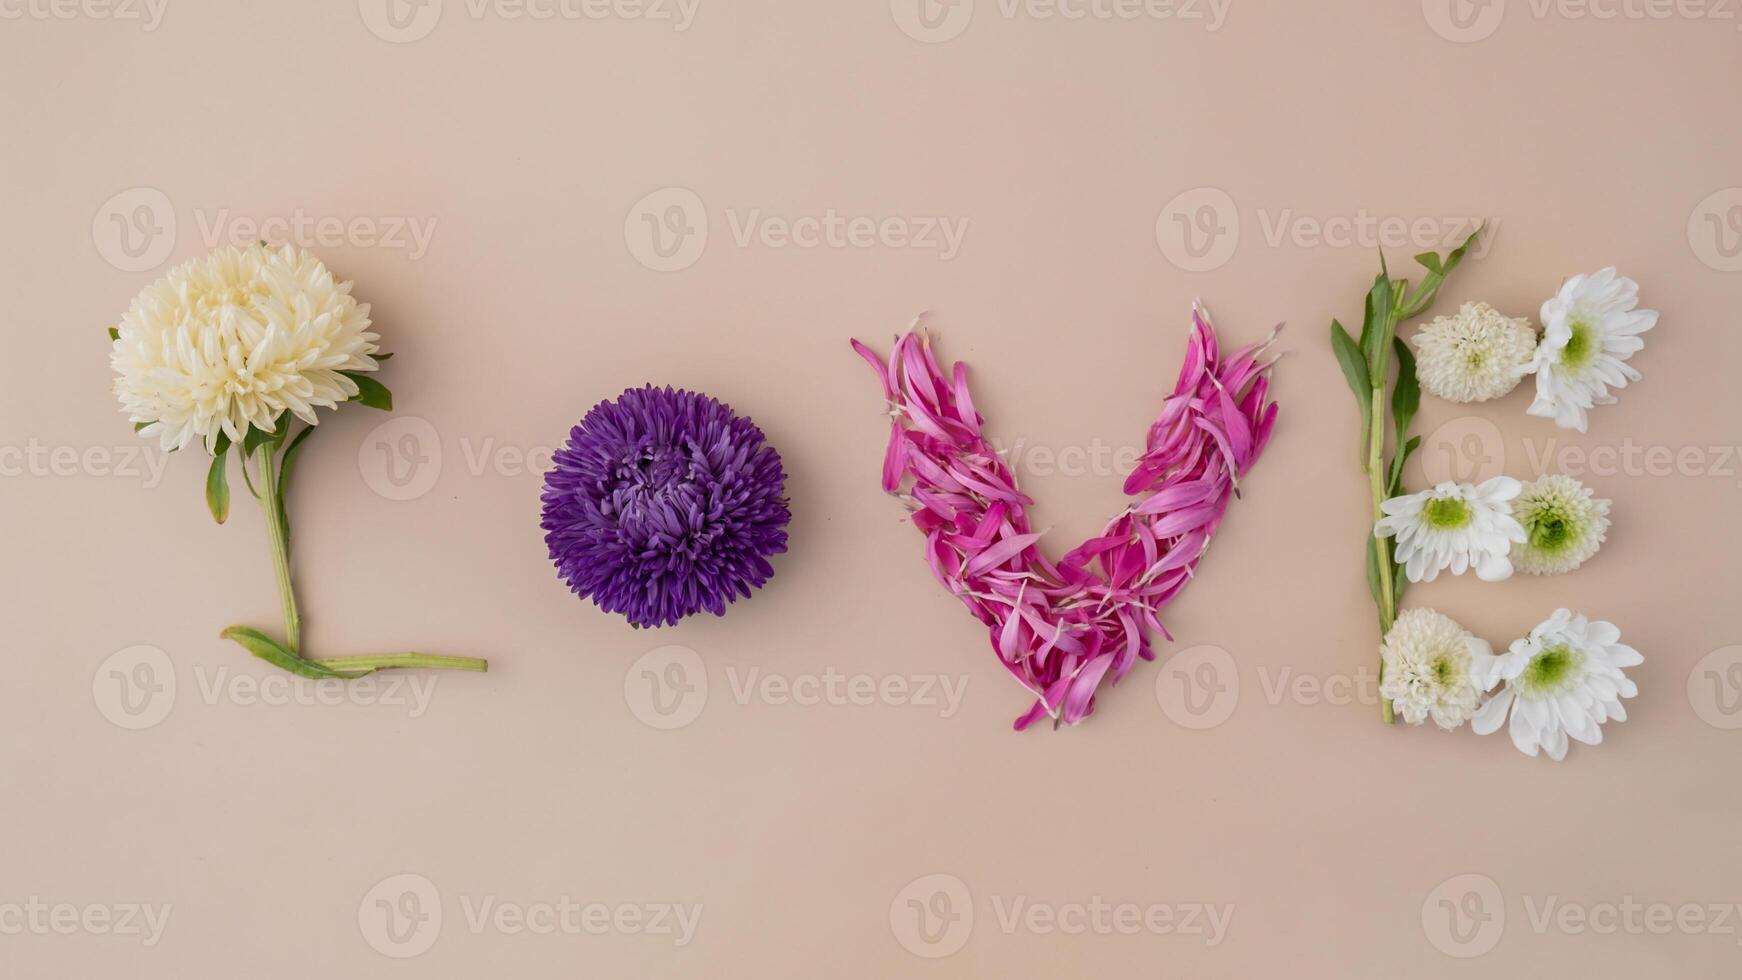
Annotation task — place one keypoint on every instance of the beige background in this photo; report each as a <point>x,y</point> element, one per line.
<point>525,150</point>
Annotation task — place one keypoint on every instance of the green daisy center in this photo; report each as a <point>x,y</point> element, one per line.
<point>1581,346</point>
<point>1550,670</point>
<point>1551,530</point>
<point>1445,672</point>
<point>1446,513</point>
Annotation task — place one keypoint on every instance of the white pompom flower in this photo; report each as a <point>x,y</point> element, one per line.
<point>1564,524</point>
<point>1430,668</point>
<point>236,339</point>
<point>1475,355</point>
<point>1455,526</point>
<point>1562,681</point>
<point>1590,329</point>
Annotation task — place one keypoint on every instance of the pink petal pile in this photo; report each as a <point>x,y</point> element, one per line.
<point>1063,629</point>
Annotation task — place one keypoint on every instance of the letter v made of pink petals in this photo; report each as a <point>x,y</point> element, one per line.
<point>1063,629</point>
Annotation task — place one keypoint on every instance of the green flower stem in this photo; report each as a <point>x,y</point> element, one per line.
<point>388,661</point>
<point>1381,554</point>
<point>272,502</point>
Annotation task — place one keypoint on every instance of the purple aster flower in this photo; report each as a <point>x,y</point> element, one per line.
<point>664,503</point>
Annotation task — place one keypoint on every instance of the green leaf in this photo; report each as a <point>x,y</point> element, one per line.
<point>114,334</point>
<point>217,481</point>
<point>1377,327</point>
<point>140,425</point>
<point>1373,574</point>
<point>257,437</point>
<point>382,357</point>
<point>289,461</point>
<point>1355,372</point>
<point>269,650</point>
<point>1406,396</point>
<point>284,467</point>
<point>1350,360</point>
<point>370,392</point>
<point>1429,261</point>
<point>1437,273</point>
<point>1394,485</point>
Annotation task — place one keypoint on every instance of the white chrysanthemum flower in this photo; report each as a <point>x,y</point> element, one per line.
<point>1590,329</point>
<point>237,339</point>
<point>1563,680</point>
<point>1564,524</point>
<point>1475,355</point>
<point>1456,526</point>
<point>1430,666</point>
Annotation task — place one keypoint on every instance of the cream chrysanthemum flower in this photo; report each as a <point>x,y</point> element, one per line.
<point>1456,526</point>
<point>1563,680</point>
<point>237,339</point>
<point>1590,329</point>
<point>1475,355</point>
<point>1430,664</point>
<point>1564,524</point>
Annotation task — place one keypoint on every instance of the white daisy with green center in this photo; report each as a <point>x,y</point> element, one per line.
<point>1590,329</point>
<point>1455,526</point>
<point>1562,681</point>
<point>1430,668</point>
<point>1475,355</point>
<point>1564,524</point>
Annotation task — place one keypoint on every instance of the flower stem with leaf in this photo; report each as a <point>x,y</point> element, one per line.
<point>274,455</point>
<point>1366,365</point>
